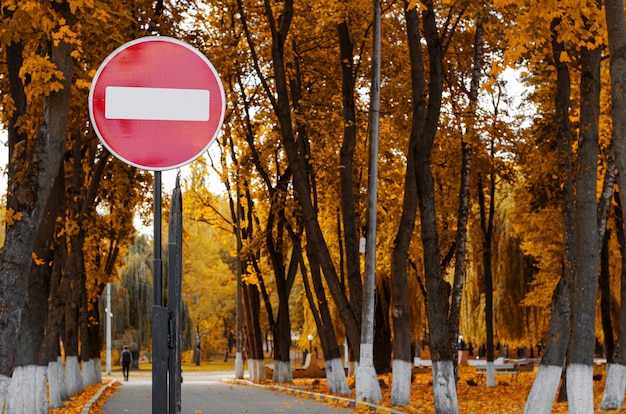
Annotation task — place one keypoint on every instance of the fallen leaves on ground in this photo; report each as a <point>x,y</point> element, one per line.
<point>507,397</point>
<point>76,403</point>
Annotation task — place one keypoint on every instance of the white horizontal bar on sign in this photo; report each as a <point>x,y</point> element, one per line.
<point>156,104</point>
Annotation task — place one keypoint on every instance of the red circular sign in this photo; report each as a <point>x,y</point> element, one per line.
<point>156,103</point>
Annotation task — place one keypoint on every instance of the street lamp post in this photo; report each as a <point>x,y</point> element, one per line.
<point>238,295</point>
<point>109,314</point>
<point>367,386</point>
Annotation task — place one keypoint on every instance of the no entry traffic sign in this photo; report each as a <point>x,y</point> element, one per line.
<point>156,103</point>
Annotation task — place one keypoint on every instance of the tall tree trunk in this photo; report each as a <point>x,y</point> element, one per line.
<point>546,383</point>
<point>30,374</point>
<point>252,303</point>
<point>616,29</point>
<point>402,363</point>
<point>605,299</point>
<point>299,168</point>
<point>31,193</point>
<point>335,374</point>
<point>382,328</point>
<point>486,223</point>
<point>282,328</point>
<point>585,288</point>
<point>74,275</point>
<point>49,353</point>
<point>613,397</point>
<point>297,160</point>
<point>464,190</point>
<point>346,173</point>
<point>256,365</point>
<point>437,289</point>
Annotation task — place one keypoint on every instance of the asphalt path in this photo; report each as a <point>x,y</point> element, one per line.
<point>204,393</point>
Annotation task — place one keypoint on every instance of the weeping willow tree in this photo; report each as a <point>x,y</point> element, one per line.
<point>513,273</point>
<point>131,301</point>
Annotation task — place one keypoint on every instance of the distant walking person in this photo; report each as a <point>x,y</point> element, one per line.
<point>127,361</point>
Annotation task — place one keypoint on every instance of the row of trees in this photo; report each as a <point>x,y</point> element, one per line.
<point>70,206</point>
<point>474,203</point>
<point>477,183</point>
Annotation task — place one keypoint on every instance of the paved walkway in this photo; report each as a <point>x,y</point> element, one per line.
<point>211,393</point>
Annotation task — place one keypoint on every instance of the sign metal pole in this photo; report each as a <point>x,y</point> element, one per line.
<point>155,89</point>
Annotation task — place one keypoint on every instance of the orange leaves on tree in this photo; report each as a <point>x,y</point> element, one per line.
<point>37,260</point>
<point>11,216</point>
<point>44,76</point>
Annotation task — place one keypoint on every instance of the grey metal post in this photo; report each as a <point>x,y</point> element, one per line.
<point>108,333</point>
<point>157,260</point>
<point>367,386</point>
<point>239,337</point>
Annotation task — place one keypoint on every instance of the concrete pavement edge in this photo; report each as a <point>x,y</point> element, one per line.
<point>96,396</point>
<point>346,402</point>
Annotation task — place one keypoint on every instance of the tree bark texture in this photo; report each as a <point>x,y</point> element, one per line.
<point>298,164</point>
<point>325,327</point>
<point>30,198</point>
<point>346,173</point>
<point>546,383</point>
<point>616,28</point>
<point>400,392</point>
<point>382,328</point>
<point>486,224</point>
<point>437,289</point>
<point>613,395</point>
<point>464,190</point>
<point>605,299</point>
<point>585,288</point>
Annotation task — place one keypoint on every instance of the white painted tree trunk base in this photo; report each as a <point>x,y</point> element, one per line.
<point>282,371</point>
<point>256,368</point>
<point>579,389</point>
<point>491,374</point>
<point>251,370</point>
<point>56,382</point>
<point>444,388</point>
<point>336,377</point>
<point>367,385</point>
<point>22,396</point>
<point>41,390</point>
<point>65,394</point>
<point>259,369</point>
<point>73,378</point>
<point>98,364</point>
<point>401,385</point>
<point>4,390</point>
<point>545,386</point>
<point>613,396</point>
<point>88,372</point>
<point>238,365</point>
